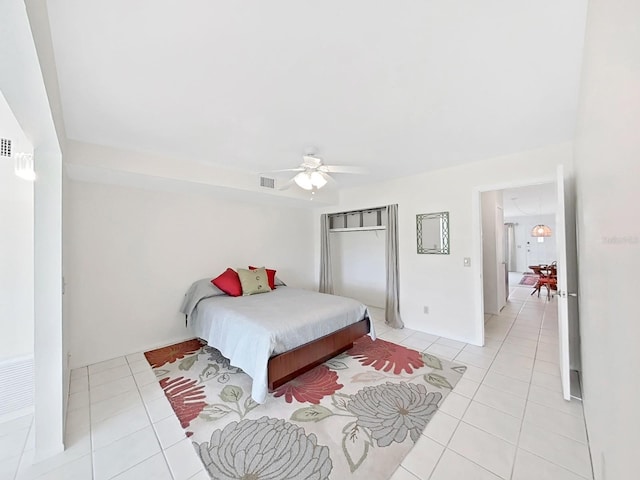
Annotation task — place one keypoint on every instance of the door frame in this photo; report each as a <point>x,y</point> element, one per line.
<point>476,239</point>
<point>500,260</point>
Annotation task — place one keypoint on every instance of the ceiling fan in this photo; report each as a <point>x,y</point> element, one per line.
<point>313,174</point>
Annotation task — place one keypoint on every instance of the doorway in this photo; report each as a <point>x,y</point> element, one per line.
<point>524,208</point>
<point>509,249</point>
<point>490,197</point>
<point>559,197</point>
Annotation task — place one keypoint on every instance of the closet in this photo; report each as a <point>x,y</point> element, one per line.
<point>357,245</point>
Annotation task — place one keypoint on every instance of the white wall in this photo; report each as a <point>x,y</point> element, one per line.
<point>441,281</point>
<point>132,253</point>
<point>51,366</point>
<point>16,245</point>
<point>607,149</point>
<point>358,263</point>
<point>544,252</point>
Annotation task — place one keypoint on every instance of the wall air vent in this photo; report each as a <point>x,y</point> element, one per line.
<point>5,147</point>
<point>267,182</point>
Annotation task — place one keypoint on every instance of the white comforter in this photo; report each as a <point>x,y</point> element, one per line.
<point>248,330</point>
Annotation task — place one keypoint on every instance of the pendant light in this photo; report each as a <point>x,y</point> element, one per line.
<point>541,231</point>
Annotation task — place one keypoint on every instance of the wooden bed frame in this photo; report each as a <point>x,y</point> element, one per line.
<point>288,365</point>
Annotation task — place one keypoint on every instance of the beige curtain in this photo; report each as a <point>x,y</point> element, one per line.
<point>511,247</point>
<point>326,275</point>
<point>392,301</point>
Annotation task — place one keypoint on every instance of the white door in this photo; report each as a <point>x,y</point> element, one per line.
<point>500,259</point>
<point>567,283</point>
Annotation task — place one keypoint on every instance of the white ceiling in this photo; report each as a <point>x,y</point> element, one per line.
<point>398,87</point>
<point>530,201</point>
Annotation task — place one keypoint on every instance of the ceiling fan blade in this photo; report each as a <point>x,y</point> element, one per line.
<point>287,185</point>
<point>299,169</point>
<point>331,182</point>
<point>343,169</point>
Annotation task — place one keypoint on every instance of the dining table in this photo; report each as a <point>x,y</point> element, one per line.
<point>543,270</point>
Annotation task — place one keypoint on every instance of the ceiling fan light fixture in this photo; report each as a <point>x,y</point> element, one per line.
<point>310,180</point>
<point>317,179</point>
<point>313,174</point>
<point>303,180</point>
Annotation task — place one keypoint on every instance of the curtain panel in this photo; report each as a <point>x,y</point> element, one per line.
<point>326,275</point>
<point>392,301</point>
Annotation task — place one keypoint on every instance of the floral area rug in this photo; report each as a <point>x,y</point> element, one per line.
<point>354,417</point>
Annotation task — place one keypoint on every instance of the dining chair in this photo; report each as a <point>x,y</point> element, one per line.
<point>538,270</point>
<point>549,280</point>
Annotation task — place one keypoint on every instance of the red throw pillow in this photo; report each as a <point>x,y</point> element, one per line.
<point>271,276</point>
<point>229,282</point>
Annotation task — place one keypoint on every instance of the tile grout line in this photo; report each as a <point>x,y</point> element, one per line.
<point>403,468</point>
<point>584,420</point>
<point>513,322</point>
<point>544,317</point>
<point>24,446</point>
<point>559,411</point>
<point>556,410</point>
<point>540,331</point>
<point>93,463</point>
<point>94,473</point>
<point>526,402</point>
<point>146,411</point>
<point>483,379</point>
<point>460,420</point>
<point>155,433</point>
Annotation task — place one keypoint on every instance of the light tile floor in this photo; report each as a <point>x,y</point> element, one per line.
<point>505,419</point>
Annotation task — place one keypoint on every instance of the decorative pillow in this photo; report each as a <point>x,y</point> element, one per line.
<point>229,282</point>
<point>254,281</point>
<point>271,275</point>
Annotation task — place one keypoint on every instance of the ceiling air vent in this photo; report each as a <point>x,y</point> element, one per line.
<point>5,147</point>
<point>267,182</point>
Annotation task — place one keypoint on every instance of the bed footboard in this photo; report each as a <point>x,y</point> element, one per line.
<point>288,365</point>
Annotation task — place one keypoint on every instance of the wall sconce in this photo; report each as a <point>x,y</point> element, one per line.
<point>23,167</point>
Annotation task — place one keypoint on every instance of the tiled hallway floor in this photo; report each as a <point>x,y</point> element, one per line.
<point>505,419</point>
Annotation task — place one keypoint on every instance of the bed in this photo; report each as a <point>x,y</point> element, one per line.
<point>275,336</point>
